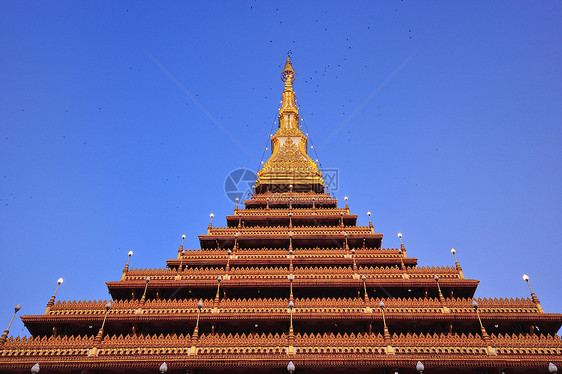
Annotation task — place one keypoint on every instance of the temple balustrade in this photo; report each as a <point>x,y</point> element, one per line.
<point>430,340</point>
<point>120,307</point>
<point>296,212</point>
<point>301,280</point>
<point>313,345</point>
<point>44,347</point>
<point>526,340</point>
<point>275,271</point>
<point>208,253</point>
<point>310,306</point>
<point>296,230</point>
<point>50,342</point>
<point>166,274</point>
<point>296,197</point>
<point>280,229</point>
<point>299,256</point>
<point>159,273</point>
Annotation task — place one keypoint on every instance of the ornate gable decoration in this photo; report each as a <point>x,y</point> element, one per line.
<point>290,155</point>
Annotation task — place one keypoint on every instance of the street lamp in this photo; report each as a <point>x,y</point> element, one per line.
<point>199,306</point>
<point>402,245</point>
<point>475,306</point>
<point>457,265</point>
<point>291,306</point>
<point>291,331</point>
<point>99,336</point>
<point>52,300</point>
<point>211,223</point>
<point>228,254</point>
<point>291,278</point>
<point>126,268</point>
<point>364,278</point>
<point>180,253</point>
<point>59,282</point>
<point>533,296</point>
<point>217,297</point>
<point>381,305</point>
<point>107,307</point>
<point>436,277</point>
<point>128,259</point>
<point>485,336</point>
<point>7,331</point>
<point>401,254</point>
<point>143,298</point>
<point>291,367</point>
<point>454,252</point>
<point>195,336</point>
<point>290,240</point>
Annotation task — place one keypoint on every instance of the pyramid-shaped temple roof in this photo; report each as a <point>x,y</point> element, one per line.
<point>290,284</point>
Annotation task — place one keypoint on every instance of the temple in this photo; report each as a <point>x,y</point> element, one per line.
<point>290,284</point>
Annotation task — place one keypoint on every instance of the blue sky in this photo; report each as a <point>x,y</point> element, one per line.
<point>443,119</point>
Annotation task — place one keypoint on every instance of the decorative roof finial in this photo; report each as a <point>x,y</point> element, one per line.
<point>288,73</point>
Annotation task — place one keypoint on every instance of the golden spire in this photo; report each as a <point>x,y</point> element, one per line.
<point>289,163</point>
<point>288,75</point>
<point>289,113</point>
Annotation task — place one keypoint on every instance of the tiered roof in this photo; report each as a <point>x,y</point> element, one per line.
<point>291,277</point>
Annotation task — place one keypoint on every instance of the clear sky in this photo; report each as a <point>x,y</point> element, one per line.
<point>443,119</point>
